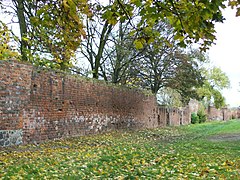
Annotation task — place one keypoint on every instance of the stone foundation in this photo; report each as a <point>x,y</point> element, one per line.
<point>10,137</point>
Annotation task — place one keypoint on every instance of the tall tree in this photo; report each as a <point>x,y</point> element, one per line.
<point>120,54</point>
<point>50,29</point>
<point>98,29</point>
<point>215,81</point>
<point>20,10</point>
<point>164,64</point>
<point>187,77</point>
<point>97,35</point>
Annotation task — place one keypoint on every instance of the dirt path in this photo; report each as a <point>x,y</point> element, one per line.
<point>225,137</point>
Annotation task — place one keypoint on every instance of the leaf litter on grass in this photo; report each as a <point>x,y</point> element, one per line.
<point>164,153</point>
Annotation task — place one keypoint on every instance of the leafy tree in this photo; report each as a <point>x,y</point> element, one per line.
<point>62,22</point>
<point>158,65</point>
<point>192,21</point>
<point>215,81</point>
<point>105,37</point>
<point>187,77</point>
<point>7,51</point>
<point>53,30</point>
<point>163,64</point>
<point>120,55</point>
<point>50,30</point>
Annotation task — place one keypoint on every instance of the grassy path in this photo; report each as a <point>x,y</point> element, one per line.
<point>204,151</point>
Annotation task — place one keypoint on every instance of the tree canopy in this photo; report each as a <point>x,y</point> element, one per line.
<point>140,43</point>
<point>192,21</point>
<point>51,31</point>
<point>215,81</point>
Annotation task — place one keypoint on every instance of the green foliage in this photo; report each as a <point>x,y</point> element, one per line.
<point>7,50</point>
<point>186,152</point>
<point>188,77</point>
<point>202,115</point>
<point>192,21</point>
<point>219,100</point>
<point>51,31</point>
<point>163,65</point>
<point>215,81</point>
<point>57,28</point>
<point>194,118</point>
<point>217,78</point>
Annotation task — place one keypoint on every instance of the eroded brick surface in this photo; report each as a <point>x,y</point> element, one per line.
<point>15,80</point>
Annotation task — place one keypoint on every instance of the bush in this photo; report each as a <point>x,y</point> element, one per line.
<point>202,115</point>
<point>194,118</point>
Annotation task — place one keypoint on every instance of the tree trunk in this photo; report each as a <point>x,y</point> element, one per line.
<point>103,39</point>
<point>23,27</point>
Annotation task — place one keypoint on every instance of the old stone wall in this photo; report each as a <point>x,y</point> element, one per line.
<point>173,116</point>
<point>222,114</point>
<point>214,113</point>
<point>15,81</point>
<point>37,105</point>
<point>235,113</point>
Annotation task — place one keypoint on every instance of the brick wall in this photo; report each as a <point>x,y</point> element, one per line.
<point>173,116</point>
<point>214,113</point>
<point>236,113</point>
<point>61,106</point>
<point>37,105</point>
<point>222,114</point>
<point>15,80</point>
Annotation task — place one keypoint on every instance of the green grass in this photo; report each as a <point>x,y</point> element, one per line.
<point>186,152</point>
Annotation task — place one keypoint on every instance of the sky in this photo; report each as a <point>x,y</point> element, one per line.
<point>226,54</point>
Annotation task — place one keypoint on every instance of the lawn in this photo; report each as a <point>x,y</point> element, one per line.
<point>204,151</point>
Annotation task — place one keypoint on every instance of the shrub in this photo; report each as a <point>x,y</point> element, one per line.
<point>202,115</point>
<point>194,118</point>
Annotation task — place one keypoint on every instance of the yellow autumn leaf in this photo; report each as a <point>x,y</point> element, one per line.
<point>139,43</point>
